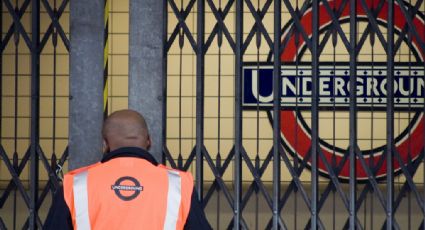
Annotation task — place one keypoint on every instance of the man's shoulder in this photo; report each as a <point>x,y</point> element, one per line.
<point>185,176</point>
<point>79,170</point>
<point>175,170</point>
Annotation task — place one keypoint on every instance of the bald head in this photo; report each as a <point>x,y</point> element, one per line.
<point>125,128</point>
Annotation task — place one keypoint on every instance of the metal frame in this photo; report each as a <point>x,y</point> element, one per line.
<point>357,193</point>
<point>34,154</point>
<point>238,197</point>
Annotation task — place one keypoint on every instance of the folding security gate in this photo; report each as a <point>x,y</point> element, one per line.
<point>292,123</point>
<point>259,108</point>
<point>33,107</point>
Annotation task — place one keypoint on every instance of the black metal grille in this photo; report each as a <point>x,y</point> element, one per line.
<point>247,174</point>
<point>361,189</point>
<point>21,152</point>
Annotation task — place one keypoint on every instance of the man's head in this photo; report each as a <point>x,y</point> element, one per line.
<point>125,128</point>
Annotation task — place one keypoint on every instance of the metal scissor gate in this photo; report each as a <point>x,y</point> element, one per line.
<point>302,65</point>
<point>280,109</point>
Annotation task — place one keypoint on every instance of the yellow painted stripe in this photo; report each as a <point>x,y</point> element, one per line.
<point>105,54</point>
<point>105,57</point>
<point>106,12</point>
<point>105,95</point>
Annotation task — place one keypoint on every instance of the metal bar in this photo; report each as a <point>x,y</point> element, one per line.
<point>11,185</point>
<point>277,85</point>
<point>35,111</point>
<point>176,30</point>
<point>372,180</point>
<point>330,187</point>
<point>254,186</point>
<point>189,160</point>
<point>55,23</point>
<point>423,150</point>
<point>259,23</point>
<point>260,184</point>
<point>54,103</point>
<point>409,180</point>
<point>167,156</point>
<point>405,188</point>
<point>285,40</point>
<point>315,114</point>
<point>368,187</point>
<point>221,183</point>
<point>298,24</point>
<point>49,31</point>
<point>332,31</point>
<point>337,186</point>
<point>200,90</point>
<point>216,183</point>
<point>369,28</point>
<point>353,114</point>
<point>219,16</point>
<point>412,27</point>
<point>11,29</point>
<point>238,115</point>
<point>390,115</point>
<point>300,188</point>
<point>2,225</point>
<point>1,75</point>
<point>253,29</point>
<point>15,177</point>
<point>336,25</point>
<point>215,30</point>
<point>291,187</point>
<point>50,172</point>
<point>374,23</point>
<point>18,24</point>
<point>413,12</point>
<point>183,24</point>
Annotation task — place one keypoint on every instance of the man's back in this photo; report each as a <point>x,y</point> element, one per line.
<point>128,189</point>
<point>129,193</point>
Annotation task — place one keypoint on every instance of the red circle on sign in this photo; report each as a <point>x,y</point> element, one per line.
<point>297,137</point>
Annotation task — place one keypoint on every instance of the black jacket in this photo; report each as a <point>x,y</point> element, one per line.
<point>59,216</point>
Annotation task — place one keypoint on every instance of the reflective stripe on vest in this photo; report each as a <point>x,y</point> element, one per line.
<point>173,200</point>
<point>81,201</point>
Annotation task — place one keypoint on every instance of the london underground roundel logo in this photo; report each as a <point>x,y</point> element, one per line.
<point>334,95</point>
<point>127,188</point>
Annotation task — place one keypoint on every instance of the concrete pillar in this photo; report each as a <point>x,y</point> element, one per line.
<point>147,62</point>
<point>86,82</point>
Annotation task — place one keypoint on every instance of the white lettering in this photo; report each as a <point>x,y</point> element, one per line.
<point>372,84</point>
<point>287,84</point>
<point>402,88</point>
<point>359,87</point>
<point>339,86</point>
<point>324,86</point>
<point>420,85</point>
<point>305,82</point>
<point>255,91</point>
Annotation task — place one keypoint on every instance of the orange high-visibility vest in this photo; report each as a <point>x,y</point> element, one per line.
<point>128,193</point>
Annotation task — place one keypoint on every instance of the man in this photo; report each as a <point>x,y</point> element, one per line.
<point>128,189</point>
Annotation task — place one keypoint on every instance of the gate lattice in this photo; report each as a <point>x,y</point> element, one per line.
<point>235,31</point>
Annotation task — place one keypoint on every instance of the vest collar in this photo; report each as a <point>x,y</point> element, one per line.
<point>129,152</point>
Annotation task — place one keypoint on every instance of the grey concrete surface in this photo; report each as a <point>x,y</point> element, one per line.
<point>146,65</point>
<point>86,82</point>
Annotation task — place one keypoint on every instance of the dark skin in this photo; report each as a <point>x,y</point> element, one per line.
<point>125,128</point>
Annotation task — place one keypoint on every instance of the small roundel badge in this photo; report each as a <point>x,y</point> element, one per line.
<point>127,188</point>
